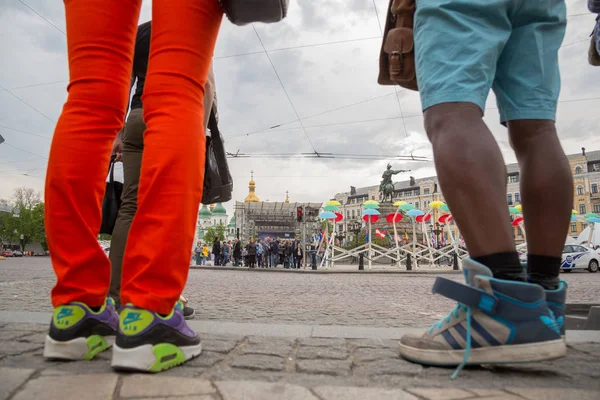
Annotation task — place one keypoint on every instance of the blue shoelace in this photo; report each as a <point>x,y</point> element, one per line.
<point>455,313</point>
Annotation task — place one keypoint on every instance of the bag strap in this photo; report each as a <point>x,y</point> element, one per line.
<point>111,170</point>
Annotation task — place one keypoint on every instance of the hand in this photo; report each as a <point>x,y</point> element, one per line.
<point>117,149</point>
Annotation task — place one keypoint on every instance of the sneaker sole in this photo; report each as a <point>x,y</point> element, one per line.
<point>508,354</point>
<point>77,349</point>
<point>191,316</point>
<point>153,358</point>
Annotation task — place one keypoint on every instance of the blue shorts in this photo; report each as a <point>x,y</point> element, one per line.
<point>465,47</point>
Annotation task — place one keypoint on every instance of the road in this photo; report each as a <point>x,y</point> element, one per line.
<point>379,300</point>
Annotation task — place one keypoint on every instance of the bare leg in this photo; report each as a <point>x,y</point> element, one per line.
<point>472,176</point>
<point>546,193</point>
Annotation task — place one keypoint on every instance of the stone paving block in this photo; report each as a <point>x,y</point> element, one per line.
<point>555,394</point>
<point>206,359</point>
<point>360,393</point>
<point>244,390</point>
<point>11,335</point>
<point>12,378</point>
<point>372,354</point>
<point>203,397</point>
<point>38,337</point>
<point>440,393</point>
<point>270,341</point>
<point>12,348</point>
<point>219,346</point>
<point>592,349</point>
<point>335,353</point>
<point>488,392</point>
<point>328,367</point>
<point>322,342</point>
<point>276,349</point>
<point>27,327</point>
<point>78,387</point>
<point>373,343</point>
<point>260,362</point>
<point>167,386</point>
<point>390,366</point>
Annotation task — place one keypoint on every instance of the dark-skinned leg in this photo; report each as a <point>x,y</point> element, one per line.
<point>547,196</point>
<point>472,176</point>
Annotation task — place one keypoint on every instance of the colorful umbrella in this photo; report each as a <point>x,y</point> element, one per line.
<point>327,215</point>
<point>369,211</point>
<point>573,218</point>
<point>370,206</point>
<point>414,213</point>
<point>331,208</point>
<point>423,218</point>
<point>519,207</point>
<point>436,204</point>
<point>371,218</point>
<point>593,220</point>
<point>574,212</point>
<point>338,217</point>
<point>399,203</point>
<point>407,207</point>
<point>591,215</point>
<point>445,208</point>
<point>333,203</point>
<point>370,202</point>
<point>513,210</point>
<point>393,217</point>
<point>517,221</point>
<point>445,218</point>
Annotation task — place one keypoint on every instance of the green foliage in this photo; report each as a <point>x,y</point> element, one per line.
<point>29,222</point>
<point>104,236</point>
<point>212,232</point>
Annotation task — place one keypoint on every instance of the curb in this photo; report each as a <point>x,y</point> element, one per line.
<point>329,271</point>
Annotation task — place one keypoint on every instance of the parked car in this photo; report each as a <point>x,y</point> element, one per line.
<point>17,253</point>
<point>579,257</point>
<point>7,253</point>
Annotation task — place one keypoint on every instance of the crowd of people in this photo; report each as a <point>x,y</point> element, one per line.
<point>262,253</point>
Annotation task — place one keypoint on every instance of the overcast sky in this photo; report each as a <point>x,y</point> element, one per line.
<point>319,76</point>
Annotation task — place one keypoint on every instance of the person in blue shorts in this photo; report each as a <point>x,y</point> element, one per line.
<point>464,48</point>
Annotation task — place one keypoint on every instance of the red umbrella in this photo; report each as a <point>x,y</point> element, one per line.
<point>374,218</point>
<point>517,221</point>
<point>423,218</point>
<point>338,217</point>
<point>393,217</point>
<point>444,218</point>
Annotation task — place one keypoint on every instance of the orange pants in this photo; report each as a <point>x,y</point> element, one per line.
<point>100,40</point>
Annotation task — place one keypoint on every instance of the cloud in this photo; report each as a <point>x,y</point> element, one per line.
<point>332,87</point>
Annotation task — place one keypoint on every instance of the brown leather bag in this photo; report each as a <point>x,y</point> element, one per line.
<point>397,55</point>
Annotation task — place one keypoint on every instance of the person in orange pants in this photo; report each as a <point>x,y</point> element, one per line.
<point>151,334</point>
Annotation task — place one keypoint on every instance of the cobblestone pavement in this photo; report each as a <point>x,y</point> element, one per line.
<point>233,367</point>
<point>378,300</point>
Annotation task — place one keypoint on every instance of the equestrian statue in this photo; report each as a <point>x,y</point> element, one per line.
<point>387,186</point>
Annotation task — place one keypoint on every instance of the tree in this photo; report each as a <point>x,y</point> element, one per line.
<point>212,232</point>
<point>28,225</point>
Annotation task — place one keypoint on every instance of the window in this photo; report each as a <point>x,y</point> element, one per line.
<point>426,191</point>
<point>582,209</point>
<point>347,213</point>
<point>577,170</point>
<point>518,197</point>
<point>373,197</point>
<point>580,190</point>
<point>416,204</point>
<point>509,197</point>
<point>594,188</point>
<point>573,228</point>
<point>597,208</point>
<point>353,215</point>
<point>583,226</point>
<point>596,167</point>
<point>513,178</point>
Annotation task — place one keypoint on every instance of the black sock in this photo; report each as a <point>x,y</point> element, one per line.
<point>544,270</point>
<point>504,265</point>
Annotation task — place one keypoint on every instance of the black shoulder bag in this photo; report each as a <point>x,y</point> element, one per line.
<point>218,184</point>
<point>111,201</point>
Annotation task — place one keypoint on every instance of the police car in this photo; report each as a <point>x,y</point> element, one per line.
<point>579,257</point>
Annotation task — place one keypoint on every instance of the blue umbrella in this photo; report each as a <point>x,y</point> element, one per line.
<point>370,211</point>
<point>593,220</point>
<point>414,213</point>
<point>327,215</point>
<point>573,217</point>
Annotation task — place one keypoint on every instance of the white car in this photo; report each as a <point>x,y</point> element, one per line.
<point>579,257</point>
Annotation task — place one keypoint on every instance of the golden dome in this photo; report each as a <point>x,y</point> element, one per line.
<point>212,207</point>
<point>287,197</point>
<point>251,198</point>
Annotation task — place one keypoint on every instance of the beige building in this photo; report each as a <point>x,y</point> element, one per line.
<point>420,192</point>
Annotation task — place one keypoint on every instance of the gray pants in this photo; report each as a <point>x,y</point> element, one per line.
<point>133,147</point>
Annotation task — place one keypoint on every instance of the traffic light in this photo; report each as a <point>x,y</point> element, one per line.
<point>299,213</point>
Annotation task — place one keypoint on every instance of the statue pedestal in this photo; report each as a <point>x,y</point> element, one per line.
<point>402,227</point>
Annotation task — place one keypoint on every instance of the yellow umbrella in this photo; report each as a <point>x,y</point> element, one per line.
<point>399,203</point>
<point>333,203</point>
<point>436,204</point>
<point>575,212</point>
<point>519,207</point>
<point>371,202</point>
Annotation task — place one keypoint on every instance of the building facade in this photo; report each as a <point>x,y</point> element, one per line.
<point>585,167</point>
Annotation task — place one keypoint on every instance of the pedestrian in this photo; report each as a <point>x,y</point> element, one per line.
<point>205,253</point>
<point>237,253</point>
<point>100,37</point>
<point>198,251</point>
<point>226,253</point>
<point>287,252</point>
<point>216,250</point>
<point>506,314</point>
<point>299,254</point>
<point>251,249</point>
<point>259,253</point>
<point>275,253</point>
